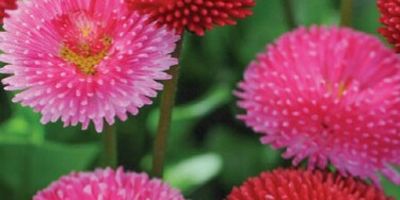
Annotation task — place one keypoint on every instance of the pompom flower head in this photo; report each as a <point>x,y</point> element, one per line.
<point>304,185</point>
<point>194,15</point>
<point>6,5</point>
<point>330,95</point>
<point>84,61</point>
<point>390,13</point>
<point>107,184</point>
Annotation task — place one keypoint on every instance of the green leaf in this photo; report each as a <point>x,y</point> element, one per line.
<point>255,32</point>
<point>391,189</point>
<point>185,116</point>
<point>193,172</point>
<point>310,12</point>
<point>243,155</point>
<point>28,167</point>
<point>366,17</point>
<point>24,126</point>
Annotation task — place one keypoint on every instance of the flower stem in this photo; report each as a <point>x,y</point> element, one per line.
<point>346,12</point>
<point>110,154</point>
<point>289,13</point>
<point>166,108</point>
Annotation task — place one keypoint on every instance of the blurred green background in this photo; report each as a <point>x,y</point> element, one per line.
<point>209,150</point>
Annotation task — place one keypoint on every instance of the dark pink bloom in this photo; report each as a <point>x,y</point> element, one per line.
<point>328,95</point>
<point>108,184</point>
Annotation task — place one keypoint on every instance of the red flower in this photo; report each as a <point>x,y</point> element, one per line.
<point>304,185</point>
<point>194,15</point>
<point>390,18</point>
<point>6,5</point>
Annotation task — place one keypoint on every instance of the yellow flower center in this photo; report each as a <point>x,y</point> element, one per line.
<point>85,58</point>
<point>342,87</point>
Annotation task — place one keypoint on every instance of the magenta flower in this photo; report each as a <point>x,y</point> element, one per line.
<point>84,61</point>
<point>329,95</point>
<point>108,184</point>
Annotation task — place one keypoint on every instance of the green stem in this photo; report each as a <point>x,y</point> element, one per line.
<point>110,147</point>
<point>166,108</point>
<point>289,13</point>
<point>346,12</point>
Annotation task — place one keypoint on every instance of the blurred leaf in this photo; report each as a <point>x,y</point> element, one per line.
<point>366,11</point>
<point>391,189</point>
<point>243,156</point>
<point>193,172</point>
<point>24,126</point>
<point>31,167</point>
<point>309,12</point>
<point>263,27</point>
<point>185,116</point>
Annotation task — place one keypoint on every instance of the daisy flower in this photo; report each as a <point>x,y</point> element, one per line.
<point>107,184</point>
<point>84,61</point>
<point>329,95</point>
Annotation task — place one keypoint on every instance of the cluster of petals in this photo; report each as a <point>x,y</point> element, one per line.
<point>108,184</point>
<point>84,61</point>
<point>194,15</point>
<point>329,95</point>
<point>293,184</point>
<point>390,18</point>
<point>4,6</point>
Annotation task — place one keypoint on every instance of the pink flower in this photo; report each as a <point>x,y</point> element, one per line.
<point>329,95</point>
<point>108,185</point>
<point>84,60</point>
